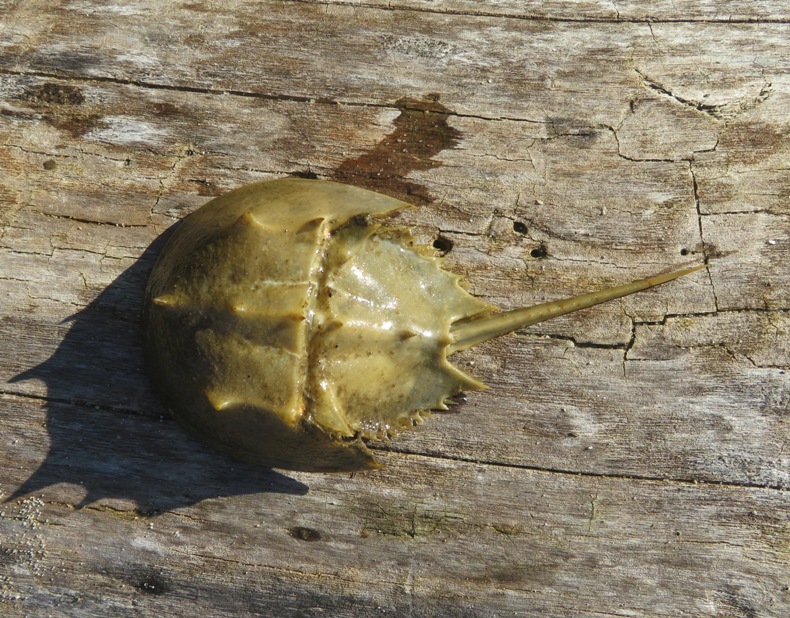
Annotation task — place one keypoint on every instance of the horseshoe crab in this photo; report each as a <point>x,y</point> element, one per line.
<point>285,325</point>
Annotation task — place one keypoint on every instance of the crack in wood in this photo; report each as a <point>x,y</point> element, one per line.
<point>393,6</point>
<point>290,98</point>
<point>384,447</point>
<point>390,448</point>
<point>705,252</point>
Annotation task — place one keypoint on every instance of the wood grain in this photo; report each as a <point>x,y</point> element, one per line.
<point>629,460</point>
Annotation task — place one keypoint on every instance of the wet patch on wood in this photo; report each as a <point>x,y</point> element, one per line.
<point>421,132</point>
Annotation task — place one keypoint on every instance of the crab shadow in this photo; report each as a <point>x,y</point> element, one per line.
<point>107,431</point>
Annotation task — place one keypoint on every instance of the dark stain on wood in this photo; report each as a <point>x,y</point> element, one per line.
<point>63,106</point>
<point>752,142</point>
<point>53,93</point>
<point>152,583</point>
<point>421,132</point>
<point>75,124</point>
<point>166,109</point>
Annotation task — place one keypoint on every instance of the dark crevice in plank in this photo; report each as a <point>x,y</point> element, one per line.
<point>630,344</point>
<point>77,402</point>
<point>598,475</point>
<point>182,88</point>
<point>545,18</point>
<point>252,95</point>
<point>88,222</point>
<point>711,110</point>
<point>728,213</point>
<point>584,344</point>
<point>703,244</point>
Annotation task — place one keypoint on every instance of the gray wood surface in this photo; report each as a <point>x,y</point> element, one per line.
<point>629,460</point>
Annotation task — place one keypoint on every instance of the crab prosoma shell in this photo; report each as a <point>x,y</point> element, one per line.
<point>284,326</point>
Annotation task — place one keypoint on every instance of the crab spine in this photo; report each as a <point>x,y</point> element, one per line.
<point>469,334</point>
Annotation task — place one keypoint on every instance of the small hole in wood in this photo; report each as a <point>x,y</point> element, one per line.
<point>539,252</point>
<point>443,244</point>
<point>684,252</point>
<point>519,227</point>
<point>300,533</point>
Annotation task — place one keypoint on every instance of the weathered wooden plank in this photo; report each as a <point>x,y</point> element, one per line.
<point>486,66</point>
<point>522,542</point>
<point>77,266</point>
<point>564,147</point>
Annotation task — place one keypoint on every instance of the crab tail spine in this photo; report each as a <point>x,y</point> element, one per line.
<point>468,334</point>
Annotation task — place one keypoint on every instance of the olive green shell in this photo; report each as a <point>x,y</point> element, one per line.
<point>284,326</point>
